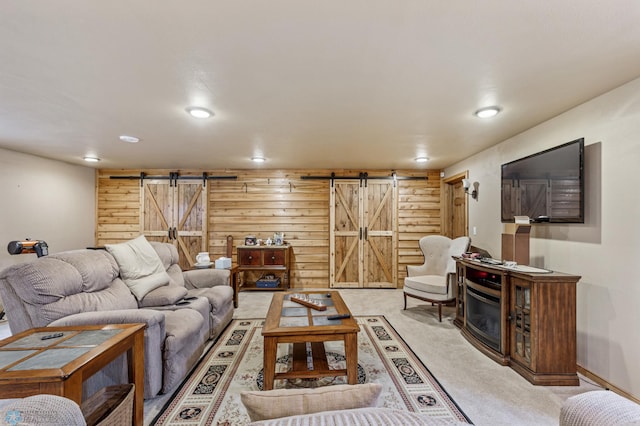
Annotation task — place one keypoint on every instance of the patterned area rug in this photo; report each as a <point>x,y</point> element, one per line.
<point>211,394</point>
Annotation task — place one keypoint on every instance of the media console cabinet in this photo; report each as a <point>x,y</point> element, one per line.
<point>521,319</point>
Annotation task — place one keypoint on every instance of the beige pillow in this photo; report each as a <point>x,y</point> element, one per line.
<point>140,266</point>
<point>278,403</point>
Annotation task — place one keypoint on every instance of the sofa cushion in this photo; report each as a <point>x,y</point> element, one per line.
<point>291,402</point>
<point>163,296</point>
<point>140,266</point>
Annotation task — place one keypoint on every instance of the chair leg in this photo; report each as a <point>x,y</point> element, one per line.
<point>405,301</point>
<point>440,312</point>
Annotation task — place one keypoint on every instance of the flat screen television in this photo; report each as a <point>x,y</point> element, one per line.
<point>547,186</point>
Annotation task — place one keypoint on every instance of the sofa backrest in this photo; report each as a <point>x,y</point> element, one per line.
<point>41,291</point>
<point>170,258</point>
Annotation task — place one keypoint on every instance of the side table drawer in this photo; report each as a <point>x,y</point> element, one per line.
<point>274,257</point>
<point>249,258</point>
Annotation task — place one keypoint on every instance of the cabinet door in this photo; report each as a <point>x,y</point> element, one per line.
<point>522,333</point>
<point>363,237</point>
<point>379,239</point>
<point>176,213</point>
<point>346,234</point>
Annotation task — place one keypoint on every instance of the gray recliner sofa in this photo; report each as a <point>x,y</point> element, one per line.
<point>84,287</point>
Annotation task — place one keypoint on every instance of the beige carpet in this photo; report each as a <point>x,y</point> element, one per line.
<point>488,393</point>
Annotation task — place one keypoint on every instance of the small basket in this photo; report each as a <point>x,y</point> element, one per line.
<point>268,282</point>
<point>110,406</point>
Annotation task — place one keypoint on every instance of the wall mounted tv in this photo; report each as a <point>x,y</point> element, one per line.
<point>547,186</point>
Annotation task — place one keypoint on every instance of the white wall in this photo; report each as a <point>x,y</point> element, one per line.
<point>46,200</point>
<point>604,250</point>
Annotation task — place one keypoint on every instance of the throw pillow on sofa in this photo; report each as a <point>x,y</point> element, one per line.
<point>140,266</point>
<point>265,405</point>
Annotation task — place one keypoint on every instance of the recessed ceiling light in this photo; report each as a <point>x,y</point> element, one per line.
<point>130,139</point>
<point>91,159</point>
<point>487,112</point>
<point>258,159</point>
<point>199,112</point>
<point>422,159</point>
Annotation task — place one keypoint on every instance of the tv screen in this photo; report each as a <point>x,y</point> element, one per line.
<point>547,186</point>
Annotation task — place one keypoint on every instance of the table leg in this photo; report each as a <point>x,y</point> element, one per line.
<point>351,354</point>
<point>269,362</point>
<point>234,281</point>
<point>135,361</point>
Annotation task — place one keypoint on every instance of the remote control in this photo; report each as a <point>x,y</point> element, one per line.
<point>52,336</point>
<point>339,316</point>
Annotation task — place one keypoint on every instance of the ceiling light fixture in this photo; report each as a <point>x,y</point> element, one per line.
<point>487,112</point>
<point>129,139</point>
<point>199,112</point>
<point>91,159</point>
<point>258,159</point>
<point>421,159</point>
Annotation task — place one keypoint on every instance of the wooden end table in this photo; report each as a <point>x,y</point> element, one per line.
<point>290,322</point>
<point>59,366</point>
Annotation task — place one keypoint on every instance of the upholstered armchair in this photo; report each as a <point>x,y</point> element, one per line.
<point>434,281</point>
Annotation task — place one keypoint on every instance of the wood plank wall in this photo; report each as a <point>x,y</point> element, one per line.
<point>262,202</point>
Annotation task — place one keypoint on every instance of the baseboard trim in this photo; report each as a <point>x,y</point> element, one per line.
<point>605,384</point>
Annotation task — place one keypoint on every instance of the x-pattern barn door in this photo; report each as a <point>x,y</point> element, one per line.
<point>363,237</point>
<point>176,212</point>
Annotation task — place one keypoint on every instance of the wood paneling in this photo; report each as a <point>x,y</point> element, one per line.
<point>262,202</point>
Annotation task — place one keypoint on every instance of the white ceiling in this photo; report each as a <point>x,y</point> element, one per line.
<point>361,84</point>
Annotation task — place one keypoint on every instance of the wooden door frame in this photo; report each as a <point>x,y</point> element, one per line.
<point>447,203</point>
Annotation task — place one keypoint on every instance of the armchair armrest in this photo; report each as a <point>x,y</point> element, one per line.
<point>206,278</point>
<point>415,270</point>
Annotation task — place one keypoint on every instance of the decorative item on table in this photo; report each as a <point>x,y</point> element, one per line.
<point>307,301</point>
<point>470,255</point>
<point>278,238</point>
<point>268,281</point>
<point>223,263</point>
<point>269,242</point>
<point>203,260</point>
<point>250,240</point>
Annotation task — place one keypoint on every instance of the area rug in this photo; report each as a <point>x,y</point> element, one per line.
<point>211,394</point>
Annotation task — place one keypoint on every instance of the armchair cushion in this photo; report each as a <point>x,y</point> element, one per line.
<point>434,284</point>
<point>140,266</point>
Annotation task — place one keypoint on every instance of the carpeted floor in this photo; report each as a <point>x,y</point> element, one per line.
<point>234,364</point>
<point>488,393</point>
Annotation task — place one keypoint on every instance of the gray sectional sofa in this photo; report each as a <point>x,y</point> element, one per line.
<point>83,287</point>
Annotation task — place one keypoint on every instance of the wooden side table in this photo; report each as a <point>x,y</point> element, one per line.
<point>30,365</point>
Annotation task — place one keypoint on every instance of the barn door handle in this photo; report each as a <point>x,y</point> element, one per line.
<point>169,233</point>
<point>360,233</point>
<point>366,232</point>
<point>175,233</point>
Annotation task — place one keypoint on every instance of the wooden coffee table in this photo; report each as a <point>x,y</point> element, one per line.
<point>59,366</point>
<point>290,322</point>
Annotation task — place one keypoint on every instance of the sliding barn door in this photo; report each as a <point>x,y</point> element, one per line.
<point>176,212</point>
<point>363,237</point>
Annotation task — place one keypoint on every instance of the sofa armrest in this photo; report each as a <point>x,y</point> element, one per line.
<point>154,337</point>
<point>597,408</point>
<point>122,316</point>
<point>206,278</point>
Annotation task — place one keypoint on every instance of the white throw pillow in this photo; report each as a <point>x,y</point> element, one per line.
<point>140,266</point>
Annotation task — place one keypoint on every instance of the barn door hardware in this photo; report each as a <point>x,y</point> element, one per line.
<point>363,177</point>
<point>174,177</point>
